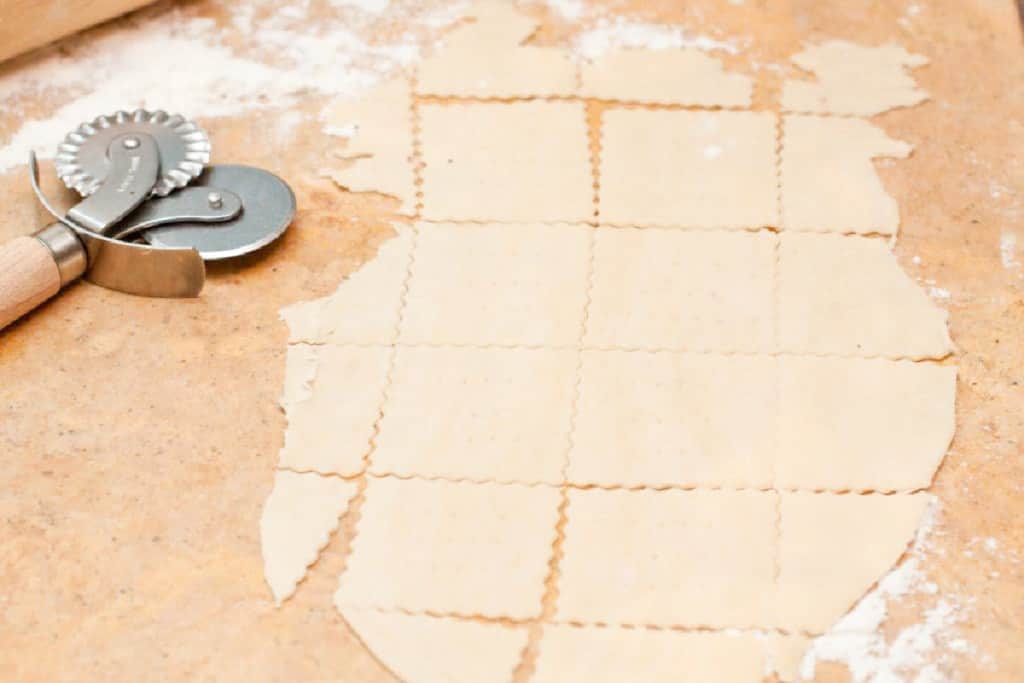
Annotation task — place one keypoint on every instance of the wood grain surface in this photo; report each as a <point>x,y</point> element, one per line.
<point>139,435</point>
<point>28,277</point>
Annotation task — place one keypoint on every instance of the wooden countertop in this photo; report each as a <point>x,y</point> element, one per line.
<point>139,436</point>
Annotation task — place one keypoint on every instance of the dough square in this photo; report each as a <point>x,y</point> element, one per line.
<point>520,161</point>
<point>833,548</point>
<point>451,548</point>
<point>675,419</point>
<point>498,284</point>
<point>688,76</point>
<point>478,413</point>
<point>688,169</point>
<point>863,424</point>
<point>848,295</point>
<point>828,180</point>
<point>697,558</point>
<point>329,430</point>
<point>671,289</point>
<point>419,647</point>
<point>613,655</point>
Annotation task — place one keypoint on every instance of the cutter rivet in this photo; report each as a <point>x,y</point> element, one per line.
<point>131,143</point>
<point>216,201</point>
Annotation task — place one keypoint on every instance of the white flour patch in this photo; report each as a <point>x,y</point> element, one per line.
<point>170,59</point>
<point>1008,251</point>
<point>918,652</point>
<point>940,293</point>
<point>610,34</point>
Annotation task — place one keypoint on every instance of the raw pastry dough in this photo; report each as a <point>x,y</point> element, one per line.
<point>486,58</point>
<point>693,385</point>
<point>346,395</point>
<point>424,648</point>
<point>670,419</point>
<point>863,424</point>
<point>688,77</point>
<point>720,285</point>
<point>298,518</point>
<point>688,169</point>
<point>834,548</point>
<point>380,150</point>
<point>702,558</point>
<point>853,79</point>
<point>615,655</point>
<point>498,284</point>
<point>478,424</point>
<point>511,162</point>
<point>451,548</point>
<point>847,295</point>
<point>365,307</point>
<point>828,181</point>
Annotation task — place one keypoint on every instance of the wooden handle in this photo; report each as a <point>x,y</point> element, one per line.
<point>25,24</point>
<point>28,277</point>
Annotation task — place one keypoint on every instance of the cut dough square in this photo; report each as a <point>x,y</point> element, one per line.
<point>848,295</point>
<point>364,309</point>
<point>486,58</point>
<point>329,431</point>
<point>664,419</point>
<point>863,424</point>
<point>498,284</point>
<point>696,558</point>
<point>671,289</point>
<point>851,79</point>
<point>688,169</point>
<point>425,648</point>
<point>520,161</point>
<point>494,414</point>
<point>613,655</point>
<point>834,547</point>
<point>299,516</point>
<point>451,548</point>
<point>828,181</point>
<point>664,77</point>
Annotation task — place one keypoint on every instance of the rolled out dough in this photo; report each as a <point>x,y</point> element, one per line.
<point>606,430</point>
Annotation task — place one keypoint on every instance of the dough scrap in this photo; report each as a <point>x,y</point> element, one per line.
<point>688,169</point>
<point>848,295</point>
<point>689,77</point>
<point>720,284</point>
<point>828,181</point>
<point>853,79</point>
<point>486,58</point>
<point>425,649</point>
<point>857,424</point>
<point>669,419</point>
<point>626,552</point>
<point>510,162</point>
<point>380,151</point>
<point>612,655</point>
<point>451,548</point>
<point>299,516</point>
<point>477,424</point>
<point>345,396</point>
<point>364,309</point>
<point>498,284</point>
<point>834,548</point>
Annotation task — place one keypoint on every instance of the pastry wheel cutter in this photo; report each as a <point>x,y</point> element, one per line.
<point>152,213</point>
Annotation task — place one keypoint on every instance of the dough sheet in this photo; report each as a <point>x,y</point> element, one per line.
<point>616,415</point>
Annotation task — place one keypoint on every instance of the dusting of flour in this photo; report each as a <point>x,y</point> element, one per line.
<point>171,59</point>
<point>917,652</point>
